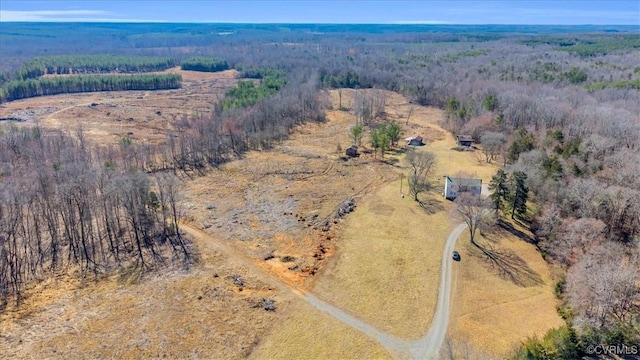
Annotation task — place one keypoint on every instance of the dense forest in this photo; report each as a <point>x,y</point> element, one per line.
<point>204,64</point>
<point>558,106</point>
<point>92,64</point>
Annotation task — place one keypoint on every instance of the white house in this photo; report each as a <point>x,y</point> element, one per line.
<point>454,186</point>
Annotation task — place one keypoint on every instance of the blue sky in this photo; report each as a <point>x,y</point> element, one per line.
<point>567,12</point>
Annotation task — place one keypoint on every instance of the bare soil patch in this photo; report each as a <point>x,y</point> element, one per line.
<point>144,116</point>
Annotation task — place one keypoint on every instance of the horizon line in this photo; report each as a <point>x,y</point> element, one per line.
<point>393,23</point>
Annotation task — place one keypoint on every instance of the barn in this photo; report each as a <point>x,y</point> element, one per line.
<point>352,151</point>
<point>414,140</point>
<point>464,140</point>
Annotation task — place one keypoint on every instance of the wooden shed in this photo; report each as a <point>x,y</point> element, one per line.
<point>352,151</point>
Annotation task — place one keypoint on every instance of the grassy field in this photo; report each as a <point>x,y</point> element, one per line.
<point>176,315</point>
<point>306,333</point>
<point>387,268</point>
<point>490,310</point>
<point>387,265</point>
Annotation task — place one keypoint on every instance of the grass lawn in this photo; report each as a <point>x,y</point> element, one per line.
<point>490,311</point>
<point>387,267</point>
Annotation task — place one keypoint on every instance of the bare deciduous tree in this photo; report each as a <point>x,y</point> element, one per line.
<point>603,285</point>
<point>492,144</point>
<point>472,210</point>
<point>421,165</point>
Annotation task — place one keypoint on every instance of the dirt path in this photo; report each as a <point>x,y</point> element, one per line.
<point>54,121</point>
<point>427,347</point>
<point>209,244</point>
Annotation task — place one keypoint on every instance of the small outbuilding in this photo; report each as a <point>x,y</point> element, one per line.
<point>464,140</point>
<point>454,186</point>
<point>414,140</point>
<point>352,151</point>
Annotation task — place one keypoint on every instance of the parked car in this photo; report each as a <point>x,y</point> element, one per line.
<point>456,256</point>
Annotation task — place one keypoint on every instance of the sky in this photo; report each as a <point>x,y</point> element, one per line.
<point>541,12</point>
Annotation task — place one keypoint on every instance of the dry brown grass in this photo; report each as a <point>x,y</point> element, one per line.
<point>386,270</point>
<point>387,267</point>
<point>306,333</point>
<point>492,312</point>
<point>174,315</point>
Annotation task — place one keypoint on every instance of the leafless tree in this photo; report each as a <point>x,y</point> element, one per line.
<point>411,108</point>
<point>603,286</point>
<point>473,211</point>
<point>421,165</point>
<point>493,144</point>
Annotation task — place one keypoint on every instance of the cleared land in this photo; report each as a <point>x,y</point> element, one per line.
<point>178,314</point>
<point>276,210</point>
<point>107,117</point>
<point>387,269</point>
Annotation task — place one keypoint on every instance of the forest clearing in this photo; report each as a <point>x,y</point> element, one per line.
<point>260,194</point>
<point>318,192</point>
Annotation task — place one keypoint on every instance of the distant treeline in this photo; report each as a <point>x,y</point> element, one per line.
<point>21,89</point>
<point>93,64</point>
<point>205,64</point>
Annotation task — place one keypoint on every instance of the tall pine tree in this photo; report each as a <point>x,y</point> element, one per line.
<point>500,188</point>
<point>519,193</point>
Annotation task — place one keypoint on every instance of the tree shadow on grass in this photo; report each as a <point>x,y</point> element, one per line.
<point>520,234</point>
<point>431,206</point>
<point>510,266</point>
<point>397,151</point>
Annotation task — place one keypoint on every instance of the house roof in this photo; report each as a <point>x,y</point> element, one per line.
<point>465,182</point>
<point>352,147</point>
<point>465,138</point>
<point>411,138</point>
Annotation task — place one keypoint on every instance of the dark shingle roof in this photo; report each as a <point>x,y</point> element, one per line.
<point>466,182</point>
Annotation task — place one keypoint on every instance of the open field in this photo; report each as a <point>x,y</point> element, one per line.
<point>277,210</point>
<point>305,333</point>
<point>387,269</point>
<point>491,311</point>
<point>144,116</point>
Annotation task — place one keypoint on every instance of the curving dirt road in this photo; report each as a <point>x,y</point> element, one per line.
<point>427,347</point>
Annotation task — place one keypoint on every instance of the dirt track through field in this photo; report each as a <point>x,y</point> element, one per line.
<point>427,347</point>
